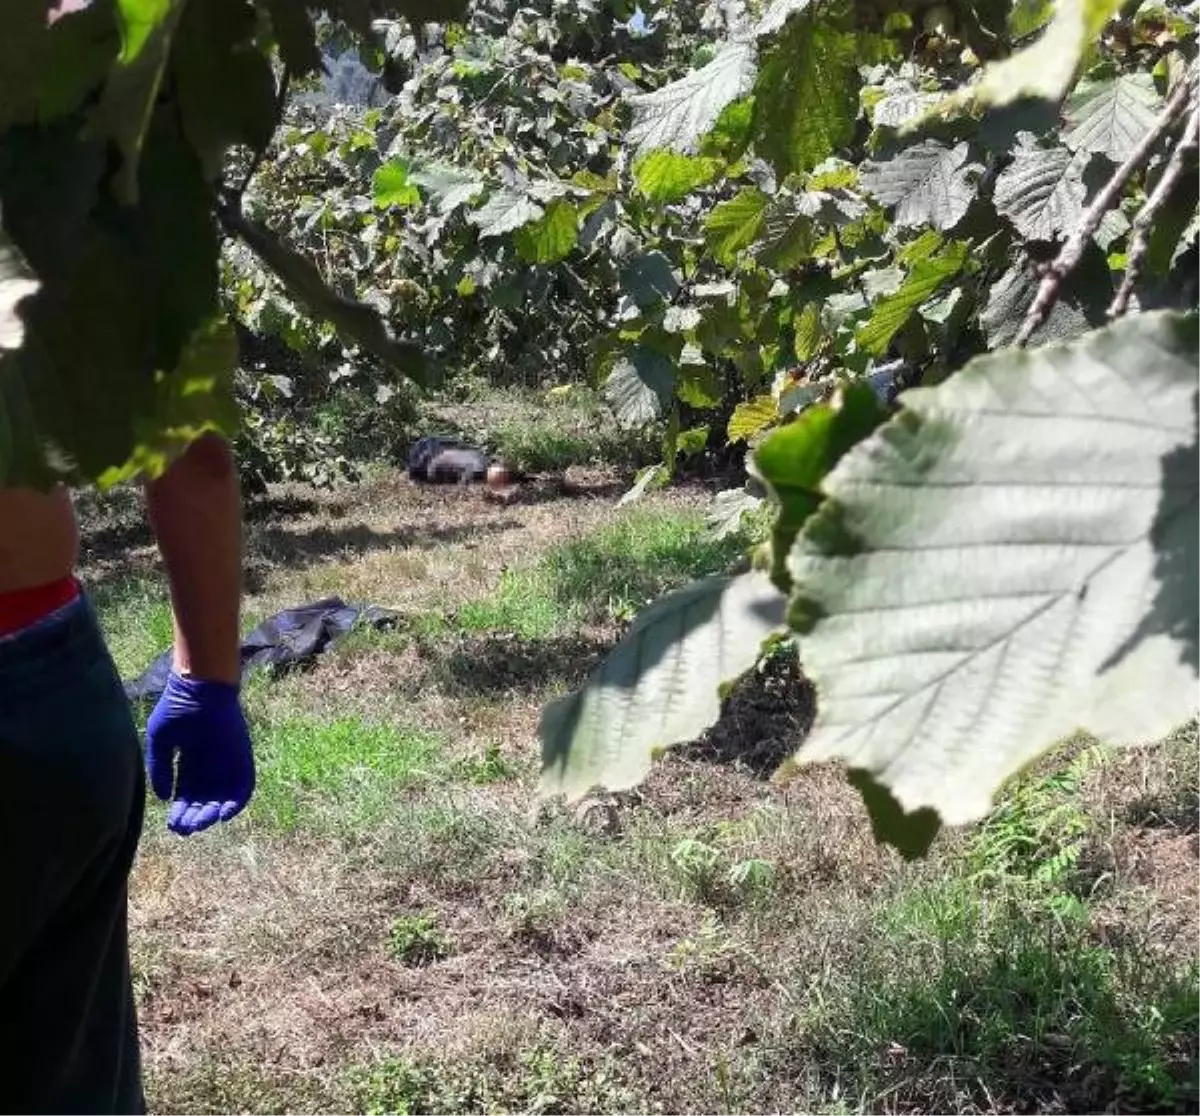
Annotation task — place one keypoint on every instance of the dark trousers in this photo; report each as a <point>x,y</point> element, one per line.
<point>71,802</point>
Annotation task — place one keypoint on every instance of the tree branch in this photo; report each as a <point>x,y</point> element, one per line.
<point>358,323</point>
<point>1072,250</point>
<point>1139,237</point>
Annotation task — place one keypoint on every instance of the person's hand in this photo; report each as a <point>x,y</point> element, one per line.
<point>201,725</point>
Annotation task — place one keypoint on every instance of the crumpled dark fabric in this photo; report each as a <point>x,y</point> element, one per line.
<point>437,460</point>
<point>290,638</point>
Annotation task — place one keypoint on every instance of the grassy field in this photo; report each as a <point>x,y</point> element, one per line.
<point>395,926</point>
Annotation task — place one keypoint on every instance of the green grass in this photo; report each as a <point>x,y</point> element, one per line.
<point>220,1082</point>
<point>628,564</point>
<point>418,940</point>
<point>538,1079</point>
<point>956,1000</point>
<point>521,604</point>
<point>482,768</point>
<point>537,432</point>
<point>135,614</point>
<point>343,771</point>
<point>543,445</point>
<point>985,985</point>
<point>608,576</point>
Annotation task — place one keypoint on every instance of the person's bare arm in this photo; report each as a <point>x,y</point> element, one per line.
<point>194,509</point>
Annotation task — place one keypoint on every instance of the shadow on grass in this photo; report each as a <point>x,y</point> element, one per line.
<point>298,549</point>
<point>495,663</point>
<point>548,490</point>
<point>112,539</point>
<point>764,719</point>
<point>257,509</point>
<point>1178,811</point>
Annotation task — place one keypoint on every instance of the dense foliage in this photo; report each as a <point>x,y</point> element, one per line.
<point>117,120</point>
<point>489,209</point>
<point>749,223</point>
<point>1012,555</point>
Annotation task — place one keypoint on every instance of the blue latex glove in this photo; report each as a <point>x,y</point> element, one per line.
<point>202,724</point>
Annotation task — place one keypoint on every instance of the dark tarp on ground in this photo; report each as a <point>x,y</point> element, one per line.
<point>289,638</point>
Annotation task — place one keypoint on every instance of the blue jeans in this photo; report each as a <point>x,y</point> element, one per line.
<point>71,802</point>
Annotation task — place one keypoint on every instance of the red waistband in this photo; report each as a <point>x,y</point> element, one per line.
<point>19,608</point>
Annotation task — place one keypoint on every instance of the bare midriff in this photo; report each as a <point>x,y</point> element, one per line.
<point>39,539</point>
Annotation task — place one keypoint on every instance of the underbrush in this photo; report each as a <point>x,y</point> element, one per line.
<point>541,432</point>
<point>985,986</point>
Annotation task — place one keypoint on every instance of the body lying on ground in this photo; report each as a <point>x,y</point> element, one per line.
<point>437,460</point>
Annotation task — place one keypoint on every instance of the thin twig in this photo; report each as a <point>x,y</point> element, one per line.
<point>1072,251</point>
<point>1139,237</point>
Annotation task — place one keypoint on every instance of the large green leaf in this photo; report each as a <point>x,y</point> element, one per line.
<point>223,81</point>
<point>123,293</point>
<point>74,58</point>
<point>697,384</point>
<point>551,237</point>
<point>660,686</point>
<point>1041,192</point>
<point>734,224</point>
<point>296,36</point>
<point>449,186</point>
<point>178,246</point>
<point>731,131</point>
<point>667,176</point>
<point>147,28</point>
<point>1010,559</point>
<point>751,417</point>
<point>806,327</point>
<point>193,398</point>
<point>391,185</point>
<point>640,387</point>
<point>795,459</point>
<point>505,211</point>
<point>22,53</point>
<point>806,96</point>
<point>680,113</point>
<point>1044,70</point>
<point>649,279</point>
<point>891,312</point>
<point>83,363</point>
<point>929,183</point>
<point>1111,117</point>
<point>791,227</point>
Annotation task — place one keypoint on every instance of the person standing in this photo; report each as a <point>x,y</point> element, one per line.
<point>72,787</point>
